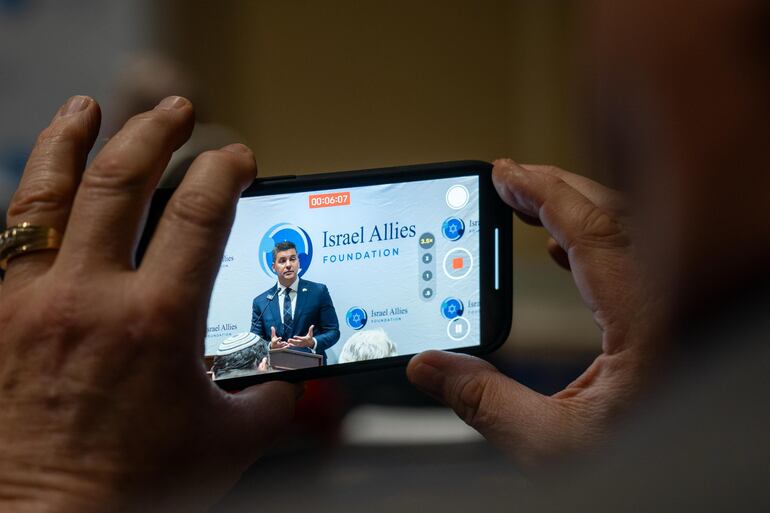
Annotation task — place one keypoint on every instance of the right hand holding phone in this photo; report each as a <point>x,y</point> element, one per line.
<point>589,236</point>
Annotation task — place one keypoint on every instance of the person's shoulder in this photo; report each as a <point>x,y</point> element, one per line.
<point>311,285</point>
<point>264,295</point>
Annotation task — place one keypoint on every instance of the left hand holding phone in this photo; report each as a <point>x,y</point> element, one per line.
<point>102,376</point>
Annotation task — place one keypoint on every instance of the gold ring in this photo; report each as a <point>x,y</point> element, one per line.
<point>26,238</point>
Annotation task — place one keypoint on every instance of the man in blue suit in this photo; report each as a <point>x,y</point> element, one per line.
<point>295,313</point>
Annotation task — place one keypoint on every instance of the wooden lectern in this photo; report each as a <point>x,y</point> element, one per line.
<point>290,359</point>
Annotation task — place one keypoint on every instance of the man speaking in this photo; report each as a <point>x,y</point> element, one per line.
<point>295,313</point>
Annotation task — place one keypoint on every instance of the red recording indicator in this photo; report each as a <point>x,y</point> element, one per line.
<point>332,199</point>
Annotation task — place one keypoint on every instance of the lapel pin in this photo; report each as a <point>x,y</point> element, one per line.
<point>304,290</point>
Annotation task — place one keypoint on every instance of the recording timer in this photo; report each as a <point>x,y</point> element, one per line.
<point>333,199</point>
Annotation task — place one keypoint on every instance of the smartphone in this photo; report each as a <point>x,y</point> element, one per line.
<point>346,272</point>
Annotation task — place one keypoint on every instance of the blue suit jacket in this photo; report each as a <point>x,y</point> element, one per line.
<point>314,307</point>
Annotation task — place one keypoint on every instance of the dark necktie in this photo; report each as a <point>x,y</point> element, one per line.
<point>287,319</point>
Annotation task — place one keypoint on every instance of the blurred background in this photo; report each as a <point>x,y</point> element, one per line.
<point>329,86</point>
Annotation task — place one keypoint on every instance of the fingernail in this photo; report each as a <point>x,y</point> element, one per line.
<point>429,379</point>
<point>172,102</point>
<point>73,106</point>
<point>237,148</point>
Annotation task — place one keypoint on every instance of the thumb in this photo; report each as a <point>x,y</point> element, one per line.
<point>272,331</point>
<point>506,412</point>
<point>310,331</point>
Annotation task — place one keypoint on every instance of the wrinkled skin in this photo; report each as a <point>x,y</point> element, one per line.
<point>104,401</point>
<point>590,236</point>
<point>679,96</point>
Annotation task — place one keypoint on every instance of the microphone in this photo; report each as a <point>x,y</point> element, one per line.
<point>270,298</point>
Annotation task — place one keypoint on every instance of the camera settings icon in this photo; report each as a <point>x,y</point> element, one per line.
<point>452,307</point>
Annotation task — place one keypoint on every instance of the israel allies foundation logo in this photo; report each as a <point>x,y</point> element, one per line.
<point>453,228</point>
<point>285,232</point>
<point>356,317</point>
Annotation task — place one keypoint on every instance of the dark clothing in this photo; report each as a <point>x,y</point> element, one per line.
<point>314,307</point>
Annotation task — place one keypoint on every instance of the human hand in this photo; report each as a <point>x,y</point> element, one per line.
<point>306,341</point>
<point>590,236</point>
<point>105,402</point>
<point>276,342</point>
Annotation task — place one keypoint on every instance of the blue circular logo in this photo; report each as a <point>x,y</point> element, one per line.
<point>453,228</point>
<point>452,307</point>
<point>356,317</point>
<point>285,232</point>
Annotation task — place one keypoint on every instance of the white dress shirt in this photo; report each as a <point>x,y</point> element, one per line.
<point>292,290</point>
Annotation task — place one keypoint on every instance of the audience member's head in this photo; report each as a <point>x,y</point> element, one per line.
<point>367,345</point>
<point>239,354</point>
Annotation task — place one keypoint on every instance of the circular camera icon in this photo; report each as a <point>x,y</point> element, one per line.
<point>457,196</point>
<point>452,308</point>
<point>453,228</point>
<point>458,328</point>
<point>356,318</point>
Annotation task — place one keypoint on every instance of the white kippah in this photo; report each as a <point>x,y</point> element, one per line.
<point>237,342</point>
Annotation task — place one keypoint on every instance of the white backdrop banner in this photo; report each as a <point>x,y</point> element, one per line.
<point>399,258</point>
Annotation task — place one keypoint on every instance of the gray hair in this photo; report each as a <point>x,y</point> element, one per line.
<point>367,345</point>
<point>245,359</point>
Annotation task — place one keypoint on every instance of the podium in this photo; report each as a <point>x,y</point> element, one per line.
<point>291,359</point>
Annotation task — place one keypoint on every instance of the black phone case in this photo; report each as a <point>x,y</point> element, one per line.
<point>496,303</point>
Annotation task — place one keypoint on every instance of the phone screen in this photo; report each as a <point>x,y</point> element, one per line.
<point>346,275</point>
